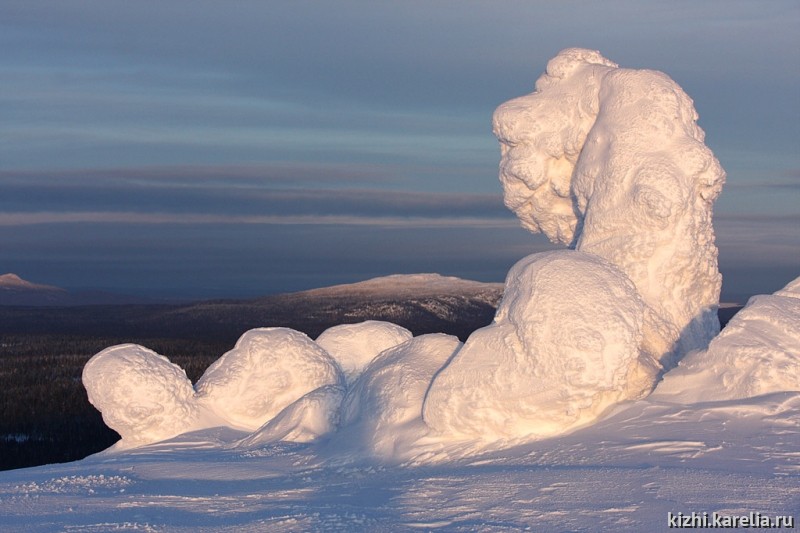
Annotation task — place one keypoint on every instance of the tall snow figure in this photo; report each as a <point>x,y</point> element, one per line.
<point>611,161</point>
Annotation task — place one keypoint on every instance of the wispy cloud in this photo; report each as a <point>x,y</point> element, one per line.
<point>99,217</point>
<point>235,192</point>
<point>297,173</point>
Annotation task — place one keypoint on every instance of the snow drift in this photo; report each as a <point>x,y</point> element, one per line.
<point>312,416</point>
<point>382,412</point>
<point>757,353</point>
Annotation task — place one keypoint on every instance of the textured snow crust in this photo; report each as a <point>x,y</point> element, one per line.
<point>757,353</point>
<point>353,346</point>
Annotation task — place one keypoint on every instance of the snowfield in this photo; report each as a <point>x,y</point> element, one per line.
<point>602,396</point>
<point>624,473</point>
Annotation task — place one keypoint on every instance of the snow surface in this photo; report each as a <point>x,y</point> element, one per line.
<point>537,422</point>
<point>624,473</point>
<point>382,412</point>
<point>308,418</point>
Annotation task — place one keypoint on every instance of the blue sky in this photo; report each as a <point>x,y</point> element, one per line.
<point>207,149</point>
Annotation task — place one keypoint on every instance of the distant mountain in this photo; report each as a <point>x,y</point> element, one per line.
<point>12,282</point>
<point>15,291</point>
<point>423,303</point>
<point>411,285</point>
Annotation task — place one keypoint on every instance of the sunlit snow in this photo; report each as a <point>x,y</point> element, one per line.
<point>542,420</point>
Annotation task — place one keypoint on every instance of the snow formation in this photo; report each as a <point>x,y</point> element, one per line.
<point>141,394</point>
<point>608,161</point>
<point>268,369</point>
<point>353,346</point>
<point>757,353</point>
<point>564,345</point>
<point>611,161</point>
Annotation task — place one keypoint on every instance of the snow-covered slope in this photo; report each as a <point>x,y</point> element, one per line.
<point>757,353</point>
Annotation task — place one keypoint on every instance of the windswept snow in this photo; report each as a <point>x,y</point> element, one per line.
<point>625,473</point>
<point>308,418</point>
<point>382,412</point>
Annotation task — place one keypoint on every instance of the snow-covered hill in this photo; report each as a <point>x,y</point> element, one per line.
<point>403,286</point>
<point>16,291</point>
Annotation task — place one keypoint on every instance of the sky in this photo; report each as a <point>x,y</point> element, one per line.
<point>202,149</point>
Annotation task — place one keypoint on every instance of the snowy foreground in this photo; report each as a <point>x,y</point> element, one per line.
<point>711,438</point>
<point>625,473</point>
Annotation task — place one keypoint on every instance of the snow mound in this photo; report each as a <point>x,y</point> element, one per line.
<point>353,346</point>
<point>757,353</point>
<point>611,161</point>
<point>268,369</point>
<point>564,346</point>
<point>382,412</point>
<point>312,416</point>
<point>141,394</point>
